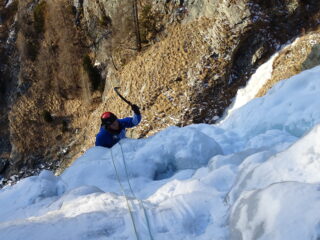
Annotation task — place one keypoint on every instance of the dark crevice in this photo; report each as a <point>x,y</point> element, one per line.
<point>165,172</point>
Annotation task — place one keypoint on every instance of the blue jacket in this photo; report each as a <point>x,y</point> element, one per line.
<point>106,139</point>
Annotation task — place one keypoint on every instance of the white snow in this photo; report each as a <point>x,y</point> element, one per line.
<point>286,210</point>
<point>253,176</point>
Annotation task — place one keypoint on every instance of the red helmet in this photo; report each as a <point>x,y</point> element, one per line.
<point>108,118</point>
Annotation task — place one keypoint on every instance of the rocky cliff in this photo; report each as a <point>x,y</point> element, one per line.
<point>61,59</point>
<point>303,54</point>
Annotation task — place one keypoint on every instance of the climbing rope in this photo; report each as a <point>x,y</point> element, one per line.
<point>139,200</point>
<point>124,194</point>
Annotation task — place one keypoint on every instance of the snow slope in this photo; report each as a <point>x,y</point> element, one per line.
<point>253,176</point>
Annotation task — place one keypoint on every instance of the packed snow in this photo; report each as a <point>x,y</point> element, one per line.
<point>253,176</point>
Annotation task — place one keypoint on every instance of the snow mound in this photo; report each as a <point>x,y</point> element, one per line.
<point>300,162</point>
<point>31,191</point>
<point>287,210</point>
<point>178,148</point>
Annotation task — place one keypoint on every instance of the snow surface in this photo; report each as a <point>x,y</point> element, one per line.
<point>253,176</point>
<point>291,106</point>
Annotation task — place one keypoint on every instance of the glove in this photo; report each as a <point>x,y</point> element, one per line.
<point>135,109</point>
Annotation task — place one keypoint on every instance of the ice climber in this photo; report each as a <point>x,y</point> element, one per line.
<point>113,129</point>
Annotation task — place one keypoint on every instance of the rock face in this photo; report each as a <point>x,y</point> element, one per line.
<point>204,54</point>
<point>303,54</point>
<point>9,68</point>
<point>46,97</point>
<point>67,57</point>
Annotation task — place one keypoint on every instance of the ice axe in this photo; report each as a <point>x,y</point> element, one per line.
<point>116,89</point>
